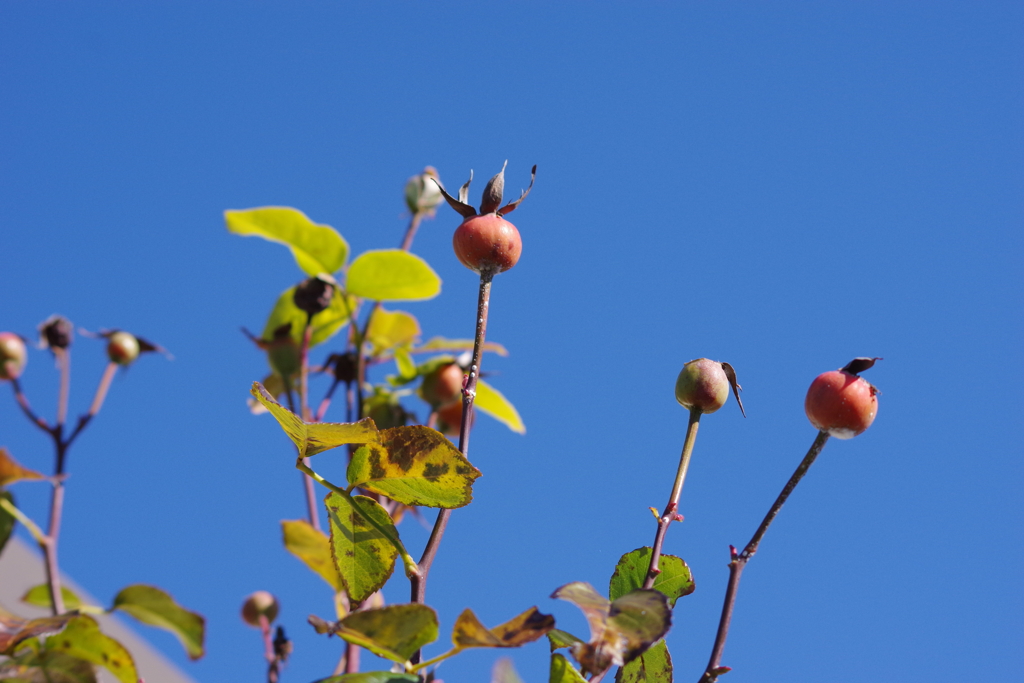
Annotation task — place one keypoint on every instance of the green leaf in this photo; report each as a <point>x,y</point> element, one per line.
<point>315,437</point>
<point>372,677</point>
<point>46,666</point>
<point>406,366</point>
<point>392,275</point>
<point>312,547</point>
<point>152,606</point>
<point>415,466</point>
<point>559,639</point>
<point>394,632</point>
<point>491,401</point>
<point>7,520</point>
<point>389,329</point>
<point>83,639</point>
<point>326,323</point>
<point>40,597</point>
<point>523,629</point>
<point>365,557</point>
<point>595,607</point>
<point>674,580</point>
<point>11,471</point>
<point>653,666</point>
<point>640,617</point>
<point>455,345</point>
<point>564,672</point>
<point>316,248</point>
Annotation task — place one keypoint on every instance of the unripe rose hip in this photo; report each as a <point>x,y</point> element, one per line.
<point>260,603</point>
<point>842,403</point>
<point>122,348</point>
<point>704,384</point>
<point>13,356</point>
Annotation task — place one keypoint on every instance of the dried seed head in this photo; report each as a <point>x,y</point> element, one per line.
<point>56,332</point>
<point>313,295</point>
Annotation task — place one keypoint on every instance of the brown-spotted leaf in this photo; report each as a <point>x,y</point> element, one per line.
<point>312,547</point>
<point>674,580</point>
<point>523,629</point>
<point>83,639</point>
<point>15,630</point>
<point>364,557</point>
<point>653,666</point>
<point>46,666</point>
<point>416,466</point>
<point>315,437</point>
<point>153,606</point>
<point>640,618</point>
<point>594,606</point>
<point>11,471</point>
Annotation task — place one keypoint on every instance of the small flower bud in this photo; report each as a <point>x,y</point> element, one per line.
<point>122,348</point>
<point>313,295</point>
<point>260,603</point>
<point>421,192</point>
<point>13,356</point>
<point>56,332</point>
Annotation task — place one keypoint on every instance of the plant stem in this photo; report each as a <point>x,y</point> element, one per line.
<point>671,509</point>
<point>27,409</point>
<point>410,232</point>
<point>64,361</point>
<point>351,658</point>
<point>97,403</point>
<point>307,335</point>
<point>739,561</point>
<point>419,584</point>
<point>321,411</point>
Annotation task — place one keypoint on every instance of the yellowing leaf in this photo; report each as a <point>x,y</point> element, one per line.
<point>11,471</point>
<point>653,666</point>
<point>83,639</point>
<point>415,466</point>
<point>523,629</point>
<point>392,328</point>
<point>455,345</point>
<point>316,248</point>
<point>491,401</point>
<point>154,607</point>
<point>392,275</point>
<point>315,437</point>
<point>313,548</point>
<point>394,632</point>
<point>564,672</point>
<point>365,557</point>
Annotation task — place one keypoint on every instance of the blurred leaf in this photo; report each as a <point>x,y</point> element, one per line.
<point>273,384</point>
<point>364,556</point>
<point>641,617</point>
<point>326,323</point>
<point>7,520</point>
<point>415,466</point>
<point>372,677</point>
<point>559,639</point>
<point>505,672</point>
<point>406,366</point>
<point>653,666</point>
<point>454,345</point>
<point>392,275</point>
<point>594,606</point>
<point>315,437</point>
<point>490,401</point>
<point>46,666</point>
<point>674,580</point>
<point>564,672</point>
<point>83,639</point>
<point>14,630</point>
<point>316,248</point>
<point>523,629</point>
<point>152,606</point>
<point>312,547</point>
<point>39,596</point>
<point>392,328</point>
<point>11,471</point>
<point>394,632</point>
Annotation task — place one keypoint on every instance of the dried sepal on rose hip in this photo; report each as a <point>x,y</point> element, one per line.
<point>840,402</point>
<point>56,332</point>
<point>485,242</point>
<point>314,294</point>
<point>259,604</point>
<point>704,384</point>
<point>13,356</point>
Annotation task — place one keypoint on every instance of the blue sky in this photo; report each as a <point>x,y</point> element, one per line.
<point>782,187</point>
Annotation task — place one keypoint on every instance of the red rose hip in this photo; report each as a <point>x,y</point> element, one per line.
<point>487,243</point>
<point>841,403</point>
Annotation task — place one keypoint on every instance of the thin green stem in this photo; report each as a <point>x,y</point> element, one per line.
<point>25,520</point>
<point>312,511</point>
<point>411,568</point>
<point>672,508</point>
<point>440,658</point>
